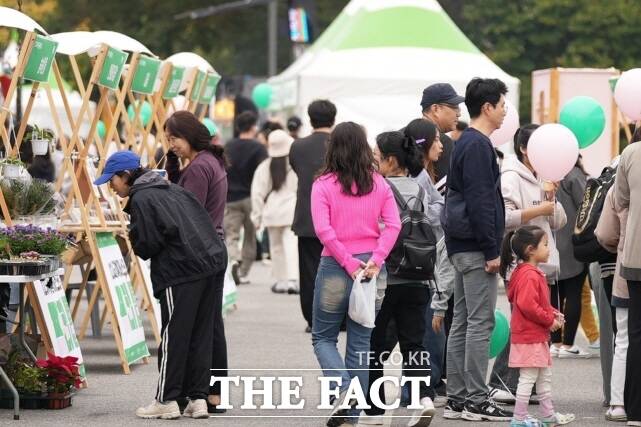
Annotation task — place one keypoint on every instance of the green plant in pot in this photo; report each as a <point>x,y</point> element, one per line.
<point>27,378</point>
<point>35,197</point>
<point>11,167</point>
<point>40,140</point>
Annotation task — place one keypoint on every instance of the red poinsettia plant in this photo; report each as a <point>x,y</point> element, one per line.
<point>62,373</point>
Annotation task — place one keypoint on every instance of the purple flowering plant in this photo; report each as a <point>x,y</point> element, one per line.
<point>31,238</point>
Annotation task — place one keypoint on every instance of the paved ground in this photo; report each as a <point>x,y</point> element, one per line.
<point>266,333</point>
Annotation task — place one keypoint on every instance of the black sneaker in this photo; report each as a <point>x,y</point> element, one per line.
<point>453,410</point>
<point>339,415</point>
<point>485,411</point>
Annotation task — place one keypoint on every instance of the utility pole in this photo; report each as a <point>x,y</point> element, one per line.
<point>272,23</point>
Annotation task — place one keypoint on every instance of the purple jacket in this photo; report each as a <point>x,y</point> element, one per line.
<point>206,178</point>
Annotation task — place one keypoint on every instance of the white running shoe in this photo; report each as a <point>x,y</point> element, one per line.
<point>574,352</point>
<point>164,411</point>
<point>423,417</point>
<point>196,409</point>
<point>502,396</point>
<point>616,413</point>
<point>554,350</point>
<point>595,345</point>
<point>371,420</point>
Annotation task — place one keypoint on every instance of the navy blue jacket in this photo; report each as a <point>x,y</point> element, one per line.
<point>474,214</point>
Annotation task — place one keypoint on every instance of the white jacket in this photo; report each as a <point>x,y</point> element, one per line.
<point>273,208</point>
<point>522,190</point>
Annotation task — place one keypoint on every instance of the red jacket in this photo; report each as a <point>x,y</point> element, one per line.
<point>532,313</point>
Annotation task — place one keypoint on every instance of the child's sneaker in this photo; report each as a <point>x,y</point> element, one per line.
<point>557,420</point>
<point>616,413</point>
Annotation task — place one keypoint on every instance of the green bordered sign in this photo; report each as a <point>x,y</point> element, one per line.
<point>198,83</point>
<point>210,88</point>
<point>145,77</point>
<point>123,297</point>
<point>175,80</point>
<point>40,59</point>
<point>112,68</point>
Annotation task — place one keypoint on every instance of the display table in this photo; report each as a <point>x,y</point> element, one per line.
<point>23,281</point>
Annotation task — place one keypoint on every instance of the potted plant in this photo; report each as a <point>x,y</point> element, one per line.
<point>24,198</point>
<point>28,379</point>
<point>11,168</point>
<point>30,250</point>
<point>62,376</point>
<point>40,140</point>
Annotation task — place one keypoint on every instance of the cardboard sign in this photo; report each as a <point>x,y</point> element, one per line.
<point>112,68</point>
<point>40,59</point>
<point>175,81</point>
<point>55,311</point>
<point>197,85</point>
<point>123,297</point>
<point>145,76</point>
<point>210,88</point>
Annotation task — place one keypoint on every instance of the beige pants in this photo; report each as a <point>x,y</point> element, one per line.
<point>283,246</point>
<point>237,217</point>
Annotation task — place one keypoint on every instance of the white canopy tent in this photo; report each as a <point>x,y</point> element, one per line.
<point>376,58</point>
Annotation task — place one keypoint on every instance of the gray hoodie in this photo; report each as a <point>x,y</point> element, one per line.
<point>522,190</point>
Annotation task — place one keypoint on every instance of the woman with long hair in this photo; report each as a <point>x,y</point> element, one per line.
<point>348,188</point>
<point>273,196</point>
<point>205,177</point>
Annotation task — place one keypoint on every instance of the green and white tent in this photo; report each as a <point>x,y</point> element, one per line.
<point>376,58</point>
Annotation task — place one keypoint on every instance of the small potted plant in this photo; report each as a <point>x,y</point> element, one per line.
<point>11,168</point>
<point>40,140</point>
<point>28,198</point>
<point>62,377</point>
<point>27,379</point>
<point>30,250</point>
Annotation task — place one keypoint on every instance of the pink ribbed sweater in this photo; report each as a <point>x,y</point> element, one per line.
<point>348,225</point>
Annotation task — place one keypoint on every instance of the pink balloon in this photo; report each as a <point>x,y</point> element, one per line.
<point>509,127</point>
<point>627,93</point>
<point>553,150</point>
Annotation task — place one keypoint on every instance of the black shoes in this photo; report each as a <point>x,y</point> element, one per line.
<point>453,410</point>
<point>485,411</point>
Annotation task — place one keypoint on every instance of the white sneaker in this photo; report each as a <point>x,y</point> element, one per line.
<point>371,420</point>
<point>502,396</point>
<point>634,423</point>
<point>595,345</point>
<point>279,287</point>
<point>574,352</point>
<point>292,287</point>
<point>616,413</point>
<point>554,350</point>
<point>423,417</point>
<point>165,411</point>
<point>196,409</point>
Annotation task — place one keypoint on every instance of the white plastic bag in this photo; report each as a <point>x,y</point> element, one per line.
<point>362,301</point>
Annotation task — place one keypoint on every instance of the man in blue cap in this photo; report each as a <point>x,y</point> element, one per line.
<point>169,225</point>
<point>440,104</point>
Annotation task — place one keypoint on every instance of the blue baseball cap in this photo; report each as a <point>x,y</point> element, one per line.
<point>118,162</point>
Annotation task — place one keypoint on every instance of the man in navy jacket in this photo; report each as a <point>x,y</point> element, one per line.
<point>474,223</point>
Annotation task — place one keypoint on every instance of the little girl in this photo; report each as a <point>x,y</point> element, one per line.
<point>533,317</point>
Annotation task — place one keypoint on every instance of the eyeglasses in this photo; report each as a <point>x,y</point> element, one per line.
<point>452,107</point>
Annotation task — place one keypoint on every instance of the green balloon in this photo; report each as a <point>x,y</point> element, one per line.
<point>145,112</point>
<point>262,95</point>
<point>102,129</point>
<point>211,126</point>
<point>500,334</point>
<point>585,117</point>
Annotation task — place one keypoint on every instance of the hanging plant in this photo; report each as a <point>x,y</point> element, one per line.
<point>28,198</point>
<point>40,140</point>
<point>11,168</point>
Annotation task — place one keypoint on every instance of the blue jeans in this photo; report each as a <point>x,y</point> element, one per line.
<point>331,302</point>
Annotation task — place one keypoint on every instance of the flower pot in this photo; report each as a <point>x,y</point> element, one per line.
<point>40,147</point>
<point>11,171</point>
<point>58,400</point>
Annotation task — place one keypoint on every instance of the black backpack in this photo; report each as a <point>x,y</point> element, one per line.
<point>414,254</point>
<point>586,246</point>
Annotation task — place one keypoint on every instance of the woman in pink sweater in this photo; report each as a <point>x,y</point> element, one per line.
<point>349,201</point>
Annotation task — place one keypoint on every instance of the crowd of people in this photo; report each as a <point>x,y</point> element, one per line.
<point>332,211</point>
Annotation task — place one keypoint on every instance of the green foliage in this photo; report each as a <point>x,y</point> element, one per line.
<point>26,377</point>
<point>28,198</point>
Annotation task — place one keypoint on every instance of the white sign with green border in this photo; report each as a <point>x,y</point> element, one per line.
<point>123,297</point>
<point>57,318</point>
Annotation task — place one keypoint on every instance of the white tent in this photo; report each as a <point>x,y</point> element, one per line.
<point>376,58</point>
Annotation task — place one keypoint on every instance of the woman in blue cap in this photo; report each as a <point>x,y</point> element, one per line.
<point>170,226</point>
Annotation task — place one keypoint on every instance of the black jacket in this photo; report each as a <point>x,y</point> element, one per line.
<point>171,227</point>
<point>306,157</point>
<point>442,166</point>
<point>244,156</point>
<point>474,214</point>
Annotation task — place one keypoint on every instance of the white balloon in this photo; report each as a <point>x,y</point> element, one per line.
<point>509,127</point>
<point>627,93</point>
<point>553,150</point>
